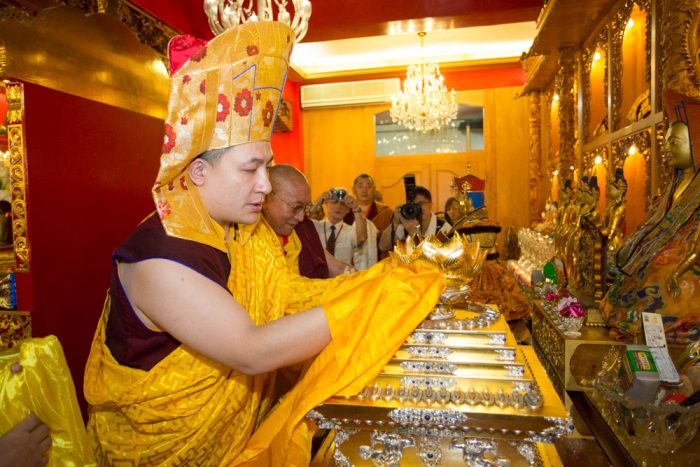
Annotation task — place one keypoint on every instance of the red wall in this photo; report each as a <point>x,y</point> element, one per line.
<point>501,77</point>
<point>288,146</point>
<point>90,167</point>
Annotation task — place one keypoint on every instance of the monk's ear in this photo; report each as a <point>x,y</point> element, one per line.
<point>198,171</point>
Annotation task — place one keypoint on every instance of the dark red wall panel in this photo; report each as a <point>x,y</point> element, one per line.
<point>90,167</point>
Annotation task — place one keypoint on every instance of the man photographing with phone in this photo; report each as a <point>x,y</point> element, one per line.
<point>415,217</point>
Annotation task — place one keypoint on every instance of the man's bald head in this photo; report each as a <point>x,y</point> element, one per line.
<point>283,176</point>
<point>284,207</point>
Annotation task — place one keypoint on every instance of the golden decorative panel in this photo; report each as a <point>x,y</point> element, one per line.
<point>15,135</point>
<point>590,155</point>
<point>535,161</point>
<point>565,84</point>
<point>15,326</point>
<point>94,57</point>
<point>618,28</point>
<point>642,141</point>
<point>680,46</point>
<point>586,59</point>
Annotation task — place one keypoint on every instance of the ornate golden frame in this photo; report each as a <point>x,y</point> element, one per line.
<point>15,136</point>
<point>617,33</point>
<point>535,159</point>
<point>565,86</point>
<point>680,48</point>
<point>586,64</point>
<point>642,141</point>
<point>589,156</point>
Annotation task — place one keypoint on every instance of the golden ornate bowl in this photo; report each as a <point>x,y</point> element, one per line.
<point>458,259</point>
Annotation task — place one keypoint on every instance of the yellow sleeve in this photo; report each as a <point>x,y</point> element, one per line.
<point>369,314</point>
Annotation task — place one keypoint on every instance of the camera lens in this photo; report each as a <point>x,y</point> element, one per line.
<point>338,194</point>
<point>411,211</point>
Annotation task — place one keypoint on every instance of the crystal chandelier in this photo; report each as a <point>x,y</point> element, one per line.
<point>224,14</point>
<point>424,103</point>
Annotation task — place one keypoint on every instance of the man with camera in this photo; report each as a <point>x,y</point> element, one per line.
<point>415,217</point>
<point>347,243</point>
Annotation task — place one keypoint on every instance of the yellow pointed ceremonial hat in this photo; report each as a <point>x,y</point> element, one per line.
<point>222,93</point>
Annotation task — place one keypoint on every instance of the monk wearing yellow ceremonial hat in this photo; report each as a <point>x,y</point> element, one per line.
<point>202,308</point>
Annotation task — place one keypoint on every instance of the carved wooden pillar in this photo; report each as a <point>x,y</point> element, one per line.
<point>535,164</point>
<point>679,46</point>
<point>567,112</point>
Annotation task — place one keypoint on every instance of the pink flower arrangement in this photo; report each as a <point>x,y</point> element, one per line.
<point>569,307</point>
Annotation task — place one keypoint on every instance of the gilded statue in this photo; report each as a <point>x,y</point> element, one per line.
<point>566,213</point>
<point>614,215</point>
<point>494,284</point>
<point>657,268</point>
<point>579,246</point>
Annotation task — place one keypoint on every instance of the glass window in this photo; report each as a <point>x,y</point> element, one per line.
<point>464,133</point>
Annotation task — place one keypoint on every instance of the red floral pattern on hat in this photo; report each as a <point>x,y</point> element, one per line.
<point>203,86</point>
<point>268,113</point>
<point>186,79</point>
<point>184,120</point>
<point>169,138</point>
<point>252,50</point>
<point>163,208</point>
<point>244,103</point>
<point>222,108</point>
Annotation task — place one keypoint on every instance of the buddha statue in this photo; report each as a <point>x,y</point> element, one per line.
<point>657,269</point>
<point>579,251</point>
<point>493,284</point>
<point>614,215</point>
<point>565,215</point>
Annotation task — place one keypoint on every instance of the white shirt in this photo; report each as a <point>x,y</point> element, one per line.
<point>346,248</point>
<point>432,228</point>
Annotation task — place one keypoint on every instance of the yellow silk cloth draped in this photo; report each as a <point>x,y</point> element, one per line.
<point>369,315</point>
<point>189,410</point>
<point>45,388</point>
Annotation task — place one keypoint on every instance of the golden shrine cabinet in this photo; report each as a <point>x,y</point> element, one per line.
<point>595,75</point>
<point>595,92</point>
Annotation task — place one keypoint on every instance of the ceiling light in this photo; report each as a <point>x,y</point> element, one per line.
<point>423,104</point>
<point>224,14</point>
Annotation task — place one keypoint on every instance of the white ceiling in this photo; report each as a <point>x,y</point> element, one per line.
<point>483,44</point>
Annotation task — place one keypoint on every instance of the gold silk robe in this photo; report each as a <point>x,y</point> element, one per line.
<point>190,410</point>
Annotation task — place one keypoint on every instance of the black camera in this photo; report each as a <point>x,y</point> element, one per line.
<point>338,194</point>
<point>411,209</point>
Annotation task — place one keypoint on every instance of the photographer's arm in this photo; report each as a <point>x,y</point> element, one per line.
<point>360,220</point>
<point>316,211</point>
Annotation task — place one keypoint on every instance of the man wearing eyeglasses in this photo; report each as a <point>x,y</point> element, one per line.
<point>285,209</point>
